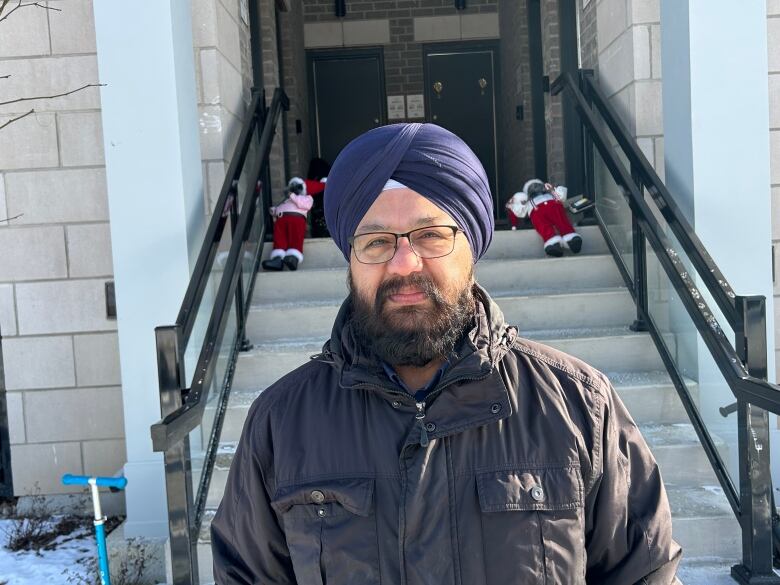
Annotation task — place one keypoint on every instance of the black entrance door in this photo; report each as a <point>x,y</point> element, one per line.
<point>461,93</point>
<point>347,96</point>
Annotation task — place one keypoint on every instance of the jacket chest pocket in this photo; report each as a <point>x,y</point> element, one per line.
<point>532,525</point>
<point>331,534</point>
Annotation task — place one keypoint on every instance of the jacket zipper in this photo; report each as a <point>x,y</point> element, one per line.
<point>420,416</point>
<point>421,406</point>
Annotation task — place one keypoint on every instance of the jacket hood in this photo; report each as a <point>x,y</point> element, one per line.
<point>484,344</point>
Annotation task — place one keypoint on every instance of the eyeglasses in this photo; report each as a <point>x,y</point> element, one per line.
<point>427,242</point>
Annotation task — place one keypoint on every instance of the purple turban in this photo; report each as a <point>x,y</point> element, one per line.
<point>426,158</point>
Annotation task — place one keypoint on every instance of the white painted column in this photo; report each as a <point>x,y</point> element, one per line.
<point>716,127</point>
<point>150,132</point>
<point>716,140</point>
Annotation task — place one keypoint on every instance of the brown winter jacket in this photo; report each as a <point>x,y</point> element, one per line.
<point>532,472</point>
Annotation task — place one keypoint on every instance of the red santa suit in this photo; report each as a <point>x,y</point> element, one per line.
<point>548,216</point>
<point>289,228</point>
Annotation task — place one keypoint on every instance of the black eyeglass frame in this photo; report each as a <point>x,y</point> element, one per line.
<point>455,229</point>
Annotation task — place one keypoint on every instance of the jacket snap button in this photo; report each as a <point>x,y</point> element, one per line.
<point>495,407</point>
<point>430,427</point>
<point>321,512</point>
<point>317,497</point>
<point>537,493</point>
<point>396,404</point>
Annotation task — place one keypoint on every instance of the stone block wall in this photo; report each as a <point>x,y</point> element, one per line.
<point>223,70</point>
<point>60,349</point>
<point>628,61</point>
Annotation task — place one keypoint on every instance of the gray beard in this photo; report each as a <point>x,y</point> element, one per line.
<point>435,331</point>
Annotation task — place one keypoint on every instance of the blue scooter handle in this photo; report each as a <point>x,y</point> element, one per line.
<point>117,483</point>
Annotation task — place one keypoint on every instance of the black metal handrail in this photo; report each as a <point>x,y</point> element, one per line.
<point>743,367</point>
<point>183,407</point>
<point>199,279</point>
<point>175,426</point>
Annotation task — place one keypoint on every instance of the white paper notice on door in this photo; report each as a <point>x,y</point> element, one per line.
<point>396,107</point>
<point>416,105</point>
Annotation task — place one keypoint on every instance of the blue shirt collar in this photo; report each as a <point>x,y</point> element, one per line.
<point>422,393</point>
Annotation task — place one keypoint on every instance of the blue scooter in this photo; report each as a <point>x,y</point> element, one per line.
<point>113,483</point>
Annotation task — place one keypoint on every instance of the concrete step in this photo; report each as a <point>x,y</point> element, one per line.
<point>499,277</point>
<point>609,349</point>
<point>703,524</point>
<point>650,397</point>
<point>610,307</point>
<point>323,253</point>
<point>679,453</point>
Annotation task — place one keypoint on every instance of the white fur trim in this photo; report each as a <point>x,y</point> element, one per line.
<point>543,198</point>
<point>569,237</point>
<point>393,184</point>
<point>293,252</point>
<point>553,240</point>
<point>277,253</point>
<point>531,182</point>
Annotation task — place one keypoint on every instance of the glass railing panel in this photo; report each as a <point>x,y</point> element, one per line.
<point>686,346</point>
<point>252,247</point>
<point>246,184</point>
<point>199,437</point>
<point>206,305</point>
<point>614,211</point>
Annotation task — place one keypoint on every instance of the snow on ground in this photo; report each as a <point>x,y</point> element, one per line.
<point>66,564</point>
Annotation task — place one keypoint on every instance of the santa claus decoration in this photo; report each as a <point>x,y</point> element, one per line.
<point>289,227</point>
<point>543,204</point>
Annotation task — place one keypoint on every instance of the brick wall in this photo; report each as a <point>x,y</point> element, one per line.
<point>553,115</point>
<point>60,350</point>
<point>272,80</point>
<point>295,84</point>
<point>516,137</point>
<point>410,23</point>
<point>402,54</point>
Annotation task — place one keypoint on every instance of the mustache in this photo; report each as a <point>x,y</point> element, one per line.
<point>416,280</point>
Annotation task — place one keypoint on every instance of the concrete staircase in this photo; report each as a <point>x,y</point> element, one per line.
<point>577,304</point>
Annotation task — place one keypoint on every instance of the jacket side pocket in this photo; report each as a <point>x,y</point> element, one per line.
<point>533,526</point>
<point>330,529</point>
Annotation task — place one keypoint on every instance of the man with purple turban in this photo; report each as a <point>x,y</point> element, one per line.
<point>429,444</point>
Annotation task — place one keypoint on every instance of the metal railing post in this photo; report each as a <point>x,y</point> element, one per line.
<point>178,465</point>
<point>755,481</point>
<point>639,249</point>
